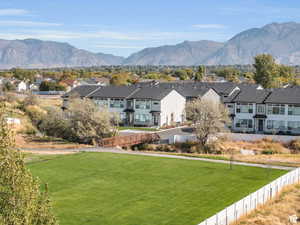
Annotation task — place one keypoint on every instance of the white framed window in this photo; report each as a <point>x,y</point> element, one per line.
<point>244,123</point>
<point>260,109</point>
<point>116,103</point>
<point>293,125</point>
<point>142,118</point>
<point>294,110</point>
<point>275,124</point>
<point>142,104</point>
<point>276,109</point>
<point>244,108</point>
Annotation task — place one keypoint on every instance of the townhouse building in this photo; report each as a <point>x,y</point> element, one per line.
<point>144,105</point>
<point>275,111</point>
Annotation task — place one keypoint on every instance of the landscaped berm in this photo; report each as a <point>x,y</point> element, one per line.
<point>117,189</point>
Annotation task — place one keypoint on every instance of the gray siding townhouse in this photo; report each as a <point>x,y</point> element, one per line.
<point>144,105</point>
<point>265,111</point>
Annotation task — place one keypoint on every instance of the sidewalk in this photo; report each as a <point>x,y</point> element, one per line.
<point>119,151</point>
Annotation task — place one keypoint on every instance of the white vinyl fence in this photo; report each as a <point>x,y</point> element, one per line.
<point>244,206</point>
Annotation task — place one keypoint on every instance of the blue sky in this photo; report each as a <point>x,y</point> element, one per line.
<point>122,27</point>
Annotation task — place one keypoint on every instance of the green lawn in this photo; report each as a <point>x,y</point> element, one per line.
<point>116,189</point>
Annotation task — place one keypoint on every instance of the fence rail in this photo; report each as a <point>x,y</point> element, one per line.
<point>129,140</point>
<point>242,207</point>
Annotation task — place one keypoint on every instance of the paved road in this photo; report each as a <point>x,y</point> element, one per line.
<point>118,151</point>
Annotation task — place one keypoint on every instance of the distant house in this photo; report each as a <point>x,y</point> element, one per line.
<point>103,81</point>
<point>34,87</point>
<point>69,83</point>
<point>21,86</point>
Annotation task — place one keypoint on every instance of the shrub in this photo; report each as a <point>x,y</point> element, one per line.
<point>268,152</point>
<point>165,148</point>
<point>9,97</point>
<point>35,113</point>
<point>294,145</point>
<point>29,130</point>
<point>30,100</point>
<point>187,147</point>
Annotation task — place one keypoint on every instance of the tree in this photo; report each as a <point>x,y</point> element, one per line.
<point>51,86</point>
<point>208,118</point>
<point>266,70</point>
<point>21,201</point>
<point>182,74</point>
<point>121,79</point>
<point>249,76</point>
<point>200,74</point>
<point>81,122</point>
<point>229,73</point>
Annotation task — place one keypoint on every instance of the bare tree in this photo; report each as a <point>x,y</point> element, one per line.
<point>209,118</point>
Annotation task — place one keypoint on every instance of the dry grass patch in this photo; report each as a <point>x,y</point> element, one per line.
<point>276,212</point>
<point>24,141</point>
<point>257,146</point>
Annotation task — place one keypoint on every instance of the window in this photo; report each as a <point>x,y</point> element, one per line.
<point>244,123</point>
<point>230,108</point>
<point>260,109</point>
<point>276,109</point>
<point>116,103</point>
<point>294,110</point>
<point>102,102</point>
<point>122,116</point>
<point>244,108</point>
<point>142,104</point>
<point>293,125</point>
<point>142,118</point>
<point>276,124</point>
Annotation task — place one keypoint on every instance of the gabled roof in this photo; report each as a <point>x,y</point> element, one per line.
<point>284,96</point>
<point>185,88</point>
<point>82,91</point>
<point>251,96</point>
<point>114,92</point>
<point>156,93</point>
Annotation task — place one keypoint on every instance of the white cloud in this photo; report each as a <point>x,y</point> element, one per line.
<point>105,35</point>
<point>209,26</point>
<point>13,12</point>
<point>20,23</point>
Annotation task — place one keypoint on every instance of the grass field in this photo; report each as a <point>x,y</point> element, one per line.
<point>115,189</point>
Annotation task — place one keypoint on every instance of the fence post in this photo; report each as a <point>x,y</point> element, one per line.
<point>235,213</point>
<point>226,216</point>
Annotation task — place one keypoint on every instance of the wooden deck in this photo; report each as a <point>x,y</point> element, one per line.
<point>129,140</point>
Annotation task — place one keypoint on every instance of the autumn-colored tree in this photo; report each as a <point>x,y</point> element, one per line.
<point>229,73</point>
<point>209,118</point>
<point>21,200</point>
<point>266,70</point>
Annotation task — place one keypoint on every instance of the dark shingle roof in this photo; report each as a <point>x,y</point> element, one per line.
<point>251,96</point>
<point>82,91</point>
<point>191,88</point>
<point>284,96</point>
<point>114,92</point>
<point>156,93</point>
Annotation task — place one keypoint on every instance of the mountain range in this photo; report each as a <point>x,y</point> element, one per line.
<point>282,40</point>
